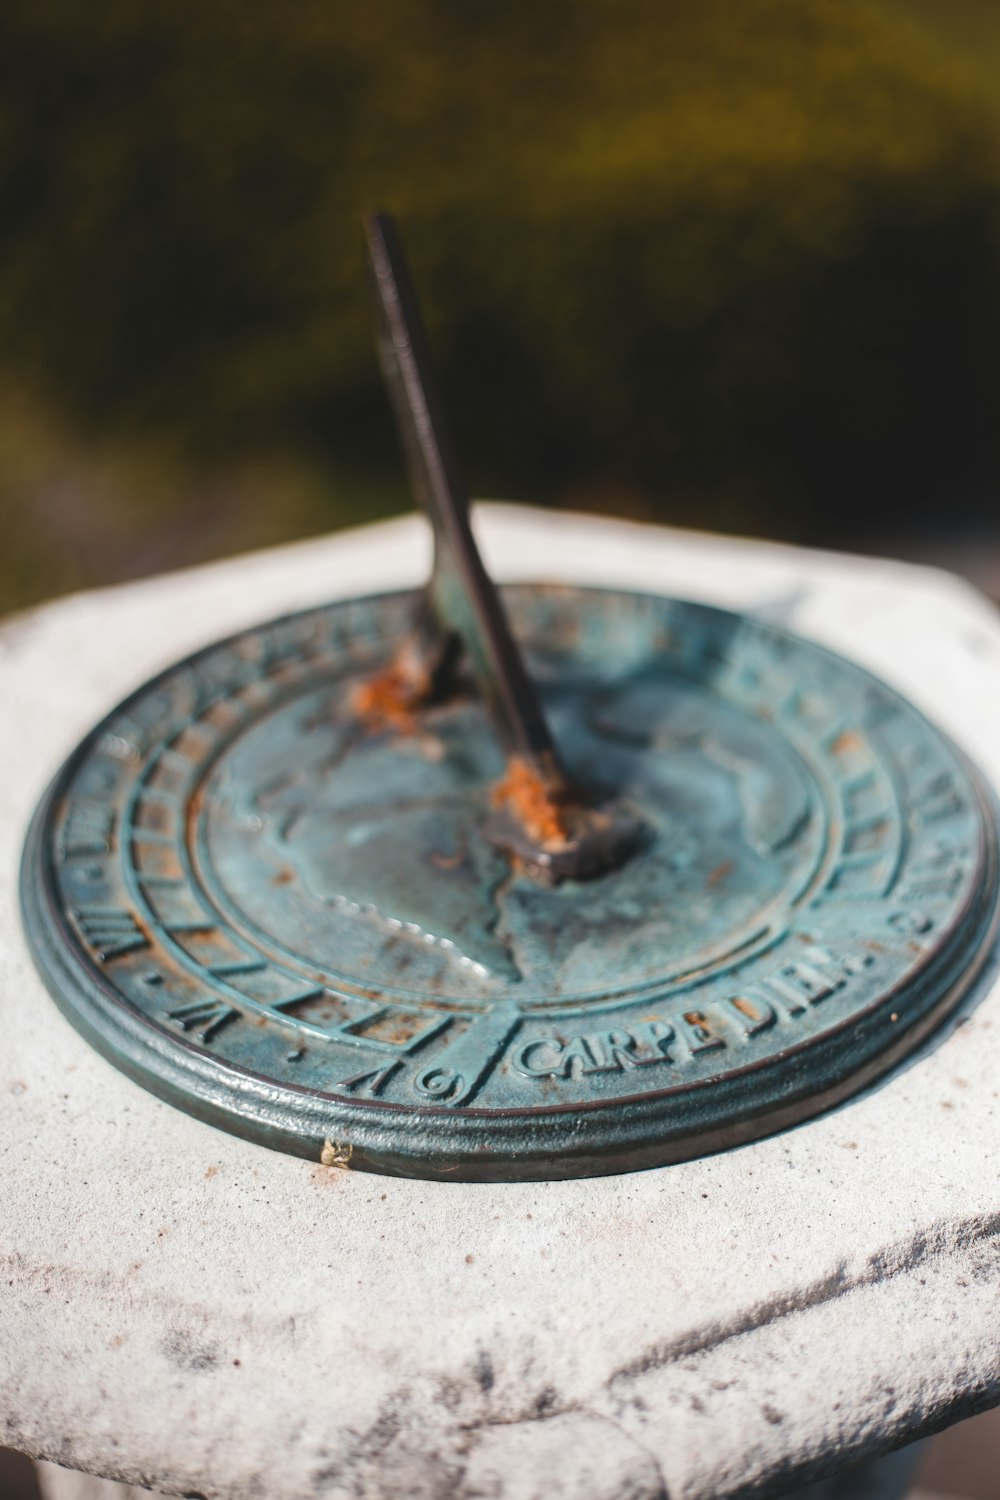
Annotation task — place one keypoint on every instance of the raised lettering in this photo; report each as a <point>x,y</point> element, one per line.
<point>697,1031</point>
<point>538,1058</point>
<point>600,1052</point>
<point>791,989</point>
<point>751,1010</point>
<point>465,1064</point>
<point>577,1058</point>
<point>656,1035</point>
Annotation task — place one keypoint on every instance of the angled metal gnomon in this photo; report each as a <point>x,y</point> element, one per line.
<point>541,818</point>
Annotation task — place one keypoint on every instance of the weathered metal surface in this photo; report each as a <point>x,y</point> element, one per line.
<point>543,818</point>
<point>292,922</point>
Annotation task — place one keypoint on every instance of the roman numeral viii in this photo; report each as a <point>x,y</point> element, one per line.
<point>110,931</point>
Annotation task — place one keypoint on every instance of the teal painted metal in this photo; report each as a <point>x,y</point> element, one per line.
<point>294,924</point>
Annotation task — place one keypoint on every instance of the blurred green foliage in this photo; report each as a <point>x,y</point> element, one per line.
<point>731,262</point>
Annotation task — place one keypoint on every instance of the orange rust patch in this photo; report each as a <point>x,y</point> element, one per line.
<point>193,812</point>
<point>720,872</point>
<point>389,699</point>
<point>846,742</point>
<point>447,861</point>
<point>522,792</point>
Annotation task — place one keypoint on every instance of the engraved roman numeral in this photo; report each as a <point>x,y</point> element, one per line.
<point>204,1017</point>
<point>237,966</point>
<point>88,829</point>
<point>936,801</point>
<point>372,1082</point>
<point>937,872</point>
<point>313,992</point>
<point>110,931</point>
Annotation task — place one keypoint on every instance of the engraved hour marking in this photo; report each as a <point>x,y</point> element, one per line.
<point>938,800</point>
<point>204,1017</point>
<point>162,798</point>
<point>312,993</point>
<point>238,966</point>
<point>372,1082</point>
<point>859,857</point>
<point>175,758</point>
<point>88,829</point>
<point>110,931</point>
<point>864,821</point>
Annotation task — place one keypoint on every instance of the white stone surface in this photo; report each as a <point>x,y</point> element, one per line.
<point>190,1312</point>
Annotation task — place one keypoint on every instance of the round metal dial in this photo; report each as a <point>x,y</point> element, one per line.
<point>292,925</point>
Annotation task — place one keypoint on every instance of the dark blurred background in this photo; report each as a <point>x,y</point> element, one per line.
<point>733,263</point>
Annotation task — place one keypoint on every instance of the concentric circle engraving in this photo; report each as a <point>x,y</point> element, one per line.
<point>295,927</point>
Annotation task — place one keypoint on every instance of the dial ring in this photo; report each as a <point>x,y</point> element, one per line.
<point>487,1084</point>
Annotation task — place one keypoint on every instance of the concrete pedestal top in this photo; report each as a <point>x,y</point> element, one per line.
<point>187,1311</point>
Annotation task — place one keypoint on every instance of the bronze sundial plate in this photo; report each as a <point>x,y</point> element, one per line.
<point>292,925</point>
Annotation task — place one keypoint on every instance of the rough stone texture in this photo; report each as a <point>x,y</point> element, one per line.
<point>186,1311</point>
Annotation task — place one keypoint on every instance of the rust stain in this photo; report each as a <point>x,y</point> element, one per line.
<point>719,874</point>
<point>522,792</point>
<point>389,700</point>
<point>846,742</point>
<point>447,861</point>
<point>211,1172</point>
<point>193,812</point>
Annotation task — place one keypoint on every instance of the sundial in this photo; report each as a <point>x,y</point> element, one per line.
<point>545,881</point>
